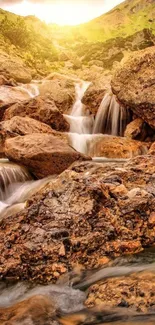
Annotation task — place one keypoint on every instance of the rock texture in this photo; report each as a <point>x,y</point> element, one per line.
<point>43,154</point>
<point>134,128</point>
<point>22,126</point>
<point>88,212</point>
<point>152,149</point>
<point>134,84</point>
<point>13,67</point>
<point>36,310</point>
<point>116,147</point>
<point>42,109</point>
<point>136,292</point>
<point>60,88</point>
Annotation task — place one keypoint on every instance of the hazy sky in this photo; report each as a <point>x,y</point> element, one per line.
<point>62,12</point>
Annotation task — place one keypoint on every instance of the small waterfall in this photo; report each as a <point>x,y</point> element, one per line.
<point>80,124</point>
<point>16,186</point>
<point>80,89</point>
<point>9,174</point>
<point>112,118</point>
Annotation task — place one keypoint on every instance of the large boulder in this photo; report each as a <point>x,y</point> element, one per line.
<point>88,212</point>
<point>60,88</point>
<point>134,84</point>
<point>43,154</point>
<point>116,147</point>
<point>42,109</point>
<point>10,95</point>
<point>21,126</point>
<point>13,67</point>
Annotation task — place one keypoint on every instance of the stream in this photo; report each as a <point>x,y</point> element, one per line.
<point>69,295</point>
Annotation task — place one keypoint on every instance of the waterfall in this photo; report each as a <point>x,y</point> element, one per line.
<point>9,174</point>
<point>112,118</point>
<point>85,131</point>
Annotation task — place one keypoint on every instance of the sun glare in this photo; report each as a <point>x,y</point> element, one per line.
<point>68,13</point>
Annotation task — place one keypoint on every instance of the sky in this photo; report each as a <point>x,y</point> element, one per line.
<point>62,12</point>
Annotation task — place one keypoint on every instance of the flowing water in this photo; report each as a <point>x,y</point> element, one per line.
<point>85,130</point>
<point>17,185</point>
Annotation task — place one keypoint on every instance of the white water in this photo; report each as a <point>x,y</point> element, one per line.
<point>16,186</point>
<point>111,119</point>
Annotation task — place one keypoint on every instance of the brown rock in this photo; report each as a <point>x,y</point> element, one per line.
<point>81,210</point>
<point>135,292</point>
<point>60,88</point>
<point>40,309</point>
<point>13,67</point>
<point>93,98</point>
<point>42,109</point>
<point>43,154</point>
<point>134,84</point>
<point>22,126</point>
<point>152,149</point>
<point>116,147</point>
<point>134,128</point>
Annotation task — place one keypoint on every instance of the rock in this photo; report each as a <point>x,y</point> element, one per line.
<point>135,292</point>
<point>9,96</point>
<point>134,87</point>
<point>4,81</point>
<point>116,147</point>
<point>43,154</point>
<point>42,109</point>
<point>22,126</point>
<point>93,98</point>
<point>13,67</point>
<point>134,128</point>
<point>40,308</point>
<point>85,210</point>
<point>60,88</point>
<point>152,149</point>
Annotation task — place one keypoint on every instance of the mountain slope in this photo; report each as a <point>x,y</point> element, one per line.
<point>127,18</point>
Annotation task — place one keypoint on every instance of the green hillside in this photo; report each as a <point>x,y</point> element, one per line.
<point>127,18</point>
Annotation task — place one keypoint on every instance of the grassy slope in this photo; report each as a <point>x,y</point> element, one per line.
<point>124,20</point>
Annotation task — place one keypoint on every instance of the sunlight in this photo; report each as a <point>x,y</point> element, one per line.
<point>68,13</point>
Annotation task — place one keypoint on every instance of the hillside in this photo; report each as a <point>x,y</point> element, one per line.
<point>126,19</point>
<point>45,48</point>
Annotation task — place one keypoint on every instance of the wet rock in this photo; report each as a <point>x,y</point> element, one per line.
<point>42,109</point>
<point>116,147</point>
<point>36,310</point>
<point>136,292</point>
<point>134,84</point>
<point>43,154</point>
<point>93,98</point>
<point>85,215</point>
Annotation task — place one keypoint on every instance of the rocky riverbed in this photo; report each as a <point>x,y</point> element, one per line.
<point>92,211</point>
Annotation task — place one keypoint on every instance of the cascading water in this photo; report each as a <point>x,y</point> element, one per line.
<point>16,186</point>
<point>111,119</point>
